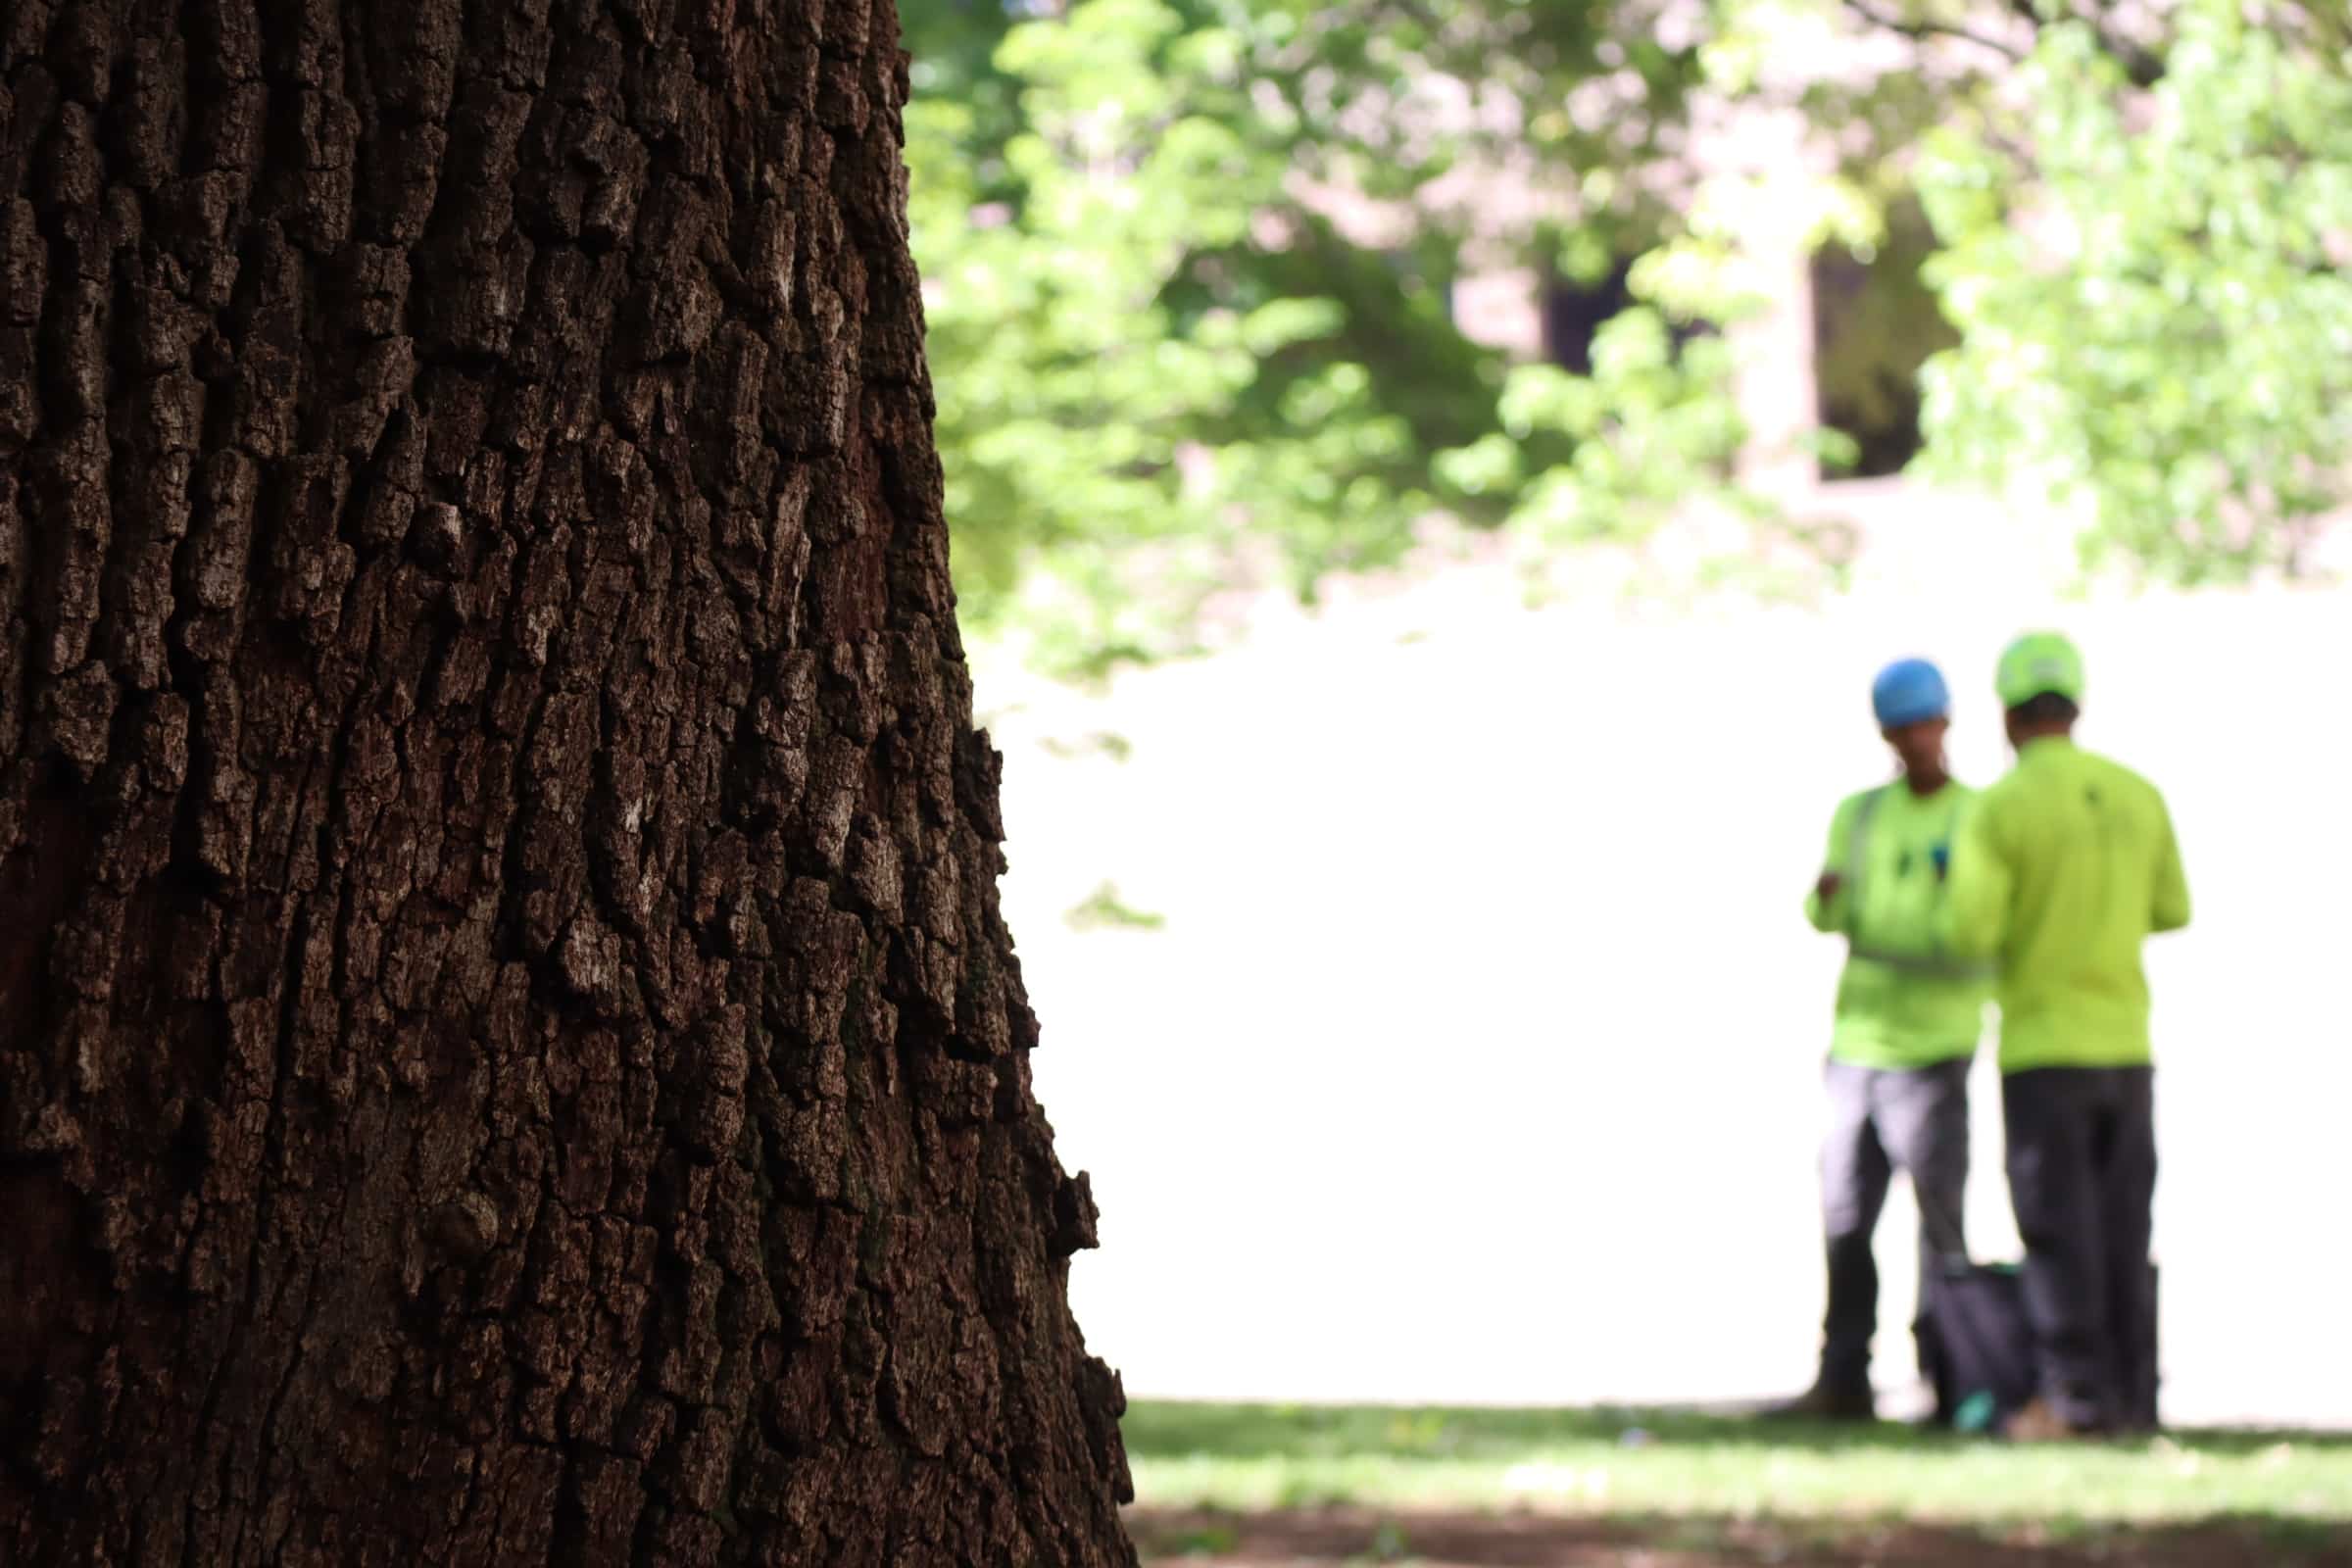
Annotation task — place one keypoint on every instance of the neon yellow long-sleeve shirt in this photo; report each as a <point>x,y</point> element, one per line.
<point>1903,1001</point>
<point>2062,872</point>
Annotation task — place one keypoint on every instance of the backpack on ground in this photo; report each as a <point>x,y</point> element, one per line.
<point>1983,1349</point>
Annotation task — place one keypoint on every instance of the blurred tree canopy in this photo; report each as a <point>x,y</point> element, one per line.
<point>2154,290</point>
<point>1190,275</point>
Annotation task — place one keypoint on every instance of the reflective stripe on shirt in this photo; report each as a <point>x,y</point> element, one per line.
<point>1933,966</point>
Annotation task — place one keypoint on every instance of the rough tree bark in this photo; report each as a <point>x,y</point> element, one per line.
<point>508,1049</point>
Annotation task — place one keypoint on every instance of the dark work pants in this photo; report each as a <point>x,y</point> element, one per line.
<point>2083,1178</point>
<point>1882,1120</point>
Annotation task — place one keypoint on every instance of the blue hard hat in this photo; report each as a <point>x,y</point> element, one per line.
<point>1908,691</point>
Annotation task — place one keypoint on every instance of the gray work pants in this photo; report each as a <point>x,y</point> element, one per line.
<point>1882,1120</point>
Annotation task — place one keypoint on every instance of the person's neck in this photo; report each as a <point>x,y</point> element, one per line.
<point>2027,734</point>
<point>1927,782</point>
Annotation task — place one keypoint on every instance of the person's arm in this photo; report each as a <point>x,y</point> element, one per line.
<point>1825,904</point>
<point>2170,906</point>
<point>1976,903</point>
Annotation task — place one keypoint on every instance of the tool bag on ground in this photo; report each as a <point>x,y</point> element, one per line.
<point>1983,1350</point>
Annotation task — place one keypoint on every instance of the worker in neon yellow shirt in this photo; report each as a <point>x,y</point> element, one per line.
<point>1908,1020</point>
<point>2064,869</point>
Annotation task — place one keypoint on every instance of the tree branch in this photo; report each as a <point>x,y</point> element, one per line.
<point>1877,17</point>
<point>2143,68</point>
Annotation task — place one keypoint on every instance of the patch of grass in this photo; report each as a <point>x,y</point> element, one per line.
<point>1255,1459</point>
<point>1358,1538</point>
<point>1200,1540</point>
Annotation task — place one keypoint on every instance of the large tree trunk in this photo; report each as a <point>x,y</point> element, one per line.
<point>507,1048</point>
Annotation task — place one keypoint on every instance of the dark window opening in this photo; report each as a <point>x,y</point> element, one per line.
<point>1875,323</point>
<point>1574,313</point>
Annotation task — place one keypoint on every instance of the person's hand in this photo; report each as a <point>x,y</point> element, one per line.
<point>1827,888</point>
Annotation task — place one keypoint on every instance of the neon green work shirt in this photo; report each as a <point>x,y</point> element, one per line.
<point>1905,1001</point>
<point>2063,869</point>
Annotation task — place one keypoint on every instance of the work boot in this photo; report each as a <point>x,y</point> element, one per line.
<point>2041,1421</point>
<point>1827,1401</point>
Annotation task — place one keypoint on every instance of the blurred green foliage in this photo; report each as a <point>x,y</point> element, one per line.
<point>2158,320</point>
<point>1104,911</point>
<point>1164,368</point>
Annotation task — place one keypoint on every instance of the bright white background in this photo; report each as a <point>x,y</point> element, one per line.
<point>1478,1059</point>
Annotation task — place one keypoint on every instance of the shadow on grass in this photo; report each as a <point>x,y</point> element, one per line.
<point>1308,1539</point>
<point>1173,1428</point>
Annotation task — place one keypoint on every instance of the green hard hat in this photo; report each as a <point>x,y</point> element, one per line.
<point>2039,662</point>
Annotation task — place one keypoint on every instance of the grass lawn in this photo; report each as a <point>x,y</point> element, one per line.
<point>1216,1474</point>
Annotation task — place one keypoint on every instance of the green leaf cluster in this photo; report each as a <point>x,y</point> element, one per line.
<point>2156,313</point>
<point>1165,368</point>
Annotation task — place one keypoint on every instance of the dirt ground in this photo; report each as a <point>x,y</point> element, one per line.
<point>1315,1539</point>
